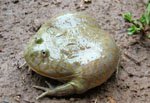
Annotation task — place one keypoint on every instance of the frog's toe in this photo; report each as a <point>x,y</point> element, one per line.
<point>49,85</point>
<point>47,91</point>
<point>23,65</point>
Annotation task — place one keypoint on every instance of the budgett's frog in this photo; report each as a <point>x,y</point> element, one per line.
<point>73,49</point>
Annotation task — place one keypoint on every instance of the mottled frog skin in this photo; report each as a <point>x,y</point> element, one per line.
<point>73,49</point>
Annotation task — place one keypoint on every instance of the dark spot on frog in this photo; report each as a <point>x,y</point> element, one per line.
<point>82,48</point>
<point>71,44</point>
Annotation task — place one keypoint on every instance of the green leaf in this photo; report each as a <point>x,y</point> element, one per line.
<point>147,18</point>
<point>130,29</point>
<point>133,30</point>
<point>134,27</point>
<point>130,33</point>
<point>143,19</point>
<point>147,14</point>
<point>148,2</point>
<point>148,7</point>
<point>127,16</point>
<point>148,35</point>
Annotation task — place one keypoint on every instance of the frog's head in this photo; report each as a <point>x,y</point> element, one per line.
<point>36,53</point>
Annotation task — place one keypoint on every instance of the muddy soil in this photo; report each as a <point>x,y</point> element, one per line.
<point>20,19</point>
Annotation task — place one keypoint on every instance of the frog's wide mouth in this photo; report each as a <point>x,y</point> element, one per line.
<point>36,58</point>
<point>31,56</point>
<point>30,53</point>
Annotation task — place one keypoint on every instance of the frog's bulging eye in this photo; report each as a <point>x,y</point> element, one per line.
<point>38,40</point>
<point>45,53</point>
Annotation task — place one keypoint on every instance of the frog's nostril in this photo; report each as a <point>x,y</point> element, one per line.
<point>33,53</point>
<point>38,40</point>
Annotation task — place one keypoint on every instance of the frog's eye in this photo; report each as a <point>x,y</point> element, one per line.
<point>38,40</point>
<point>45,53</point>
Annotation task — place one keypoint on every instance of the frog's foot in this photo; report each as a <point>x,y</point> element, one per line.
<point>47,90</point>
<point>75,86</point>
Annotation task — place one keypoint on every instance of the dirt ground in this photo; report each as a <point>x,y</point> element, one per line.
<point>20,19</point>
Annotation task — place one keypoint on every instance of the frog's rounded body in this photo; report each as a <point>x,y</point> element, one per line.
<point>72,48</point>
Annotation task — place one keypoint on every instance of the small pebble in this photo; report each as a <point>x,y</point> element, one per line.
<point>17,98</point>
<point>5,101</point>
<point>15,1</point>
<point>87,1</point>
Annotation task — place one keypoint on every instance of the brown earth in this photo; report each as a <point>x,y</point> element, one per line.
<point>20,19</point>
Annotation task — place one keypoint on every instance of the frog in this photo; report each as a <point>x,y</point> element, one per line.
<point>73,49</point>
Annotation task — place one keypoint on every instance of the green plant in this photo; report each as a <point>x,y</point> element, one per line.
<point>140,25</point>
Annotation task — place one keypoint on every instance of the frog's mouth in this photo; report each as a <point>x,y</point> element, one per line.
<point>31,57</point>
<point>39,61</point>
<point>40,64</point>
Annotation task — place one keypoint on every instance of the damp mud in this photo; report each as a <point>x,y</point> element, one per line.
<point>20,20</point>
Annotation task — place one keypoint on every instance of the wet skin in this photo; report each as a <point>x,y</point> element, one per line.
<point>73,49</point>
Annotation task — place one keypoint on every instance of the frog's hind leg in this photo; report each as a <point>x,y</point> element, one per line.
<point>74,86</point>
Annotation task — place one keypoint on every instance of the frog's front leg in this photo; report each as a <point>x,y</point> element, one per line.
<point>75,86</point>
